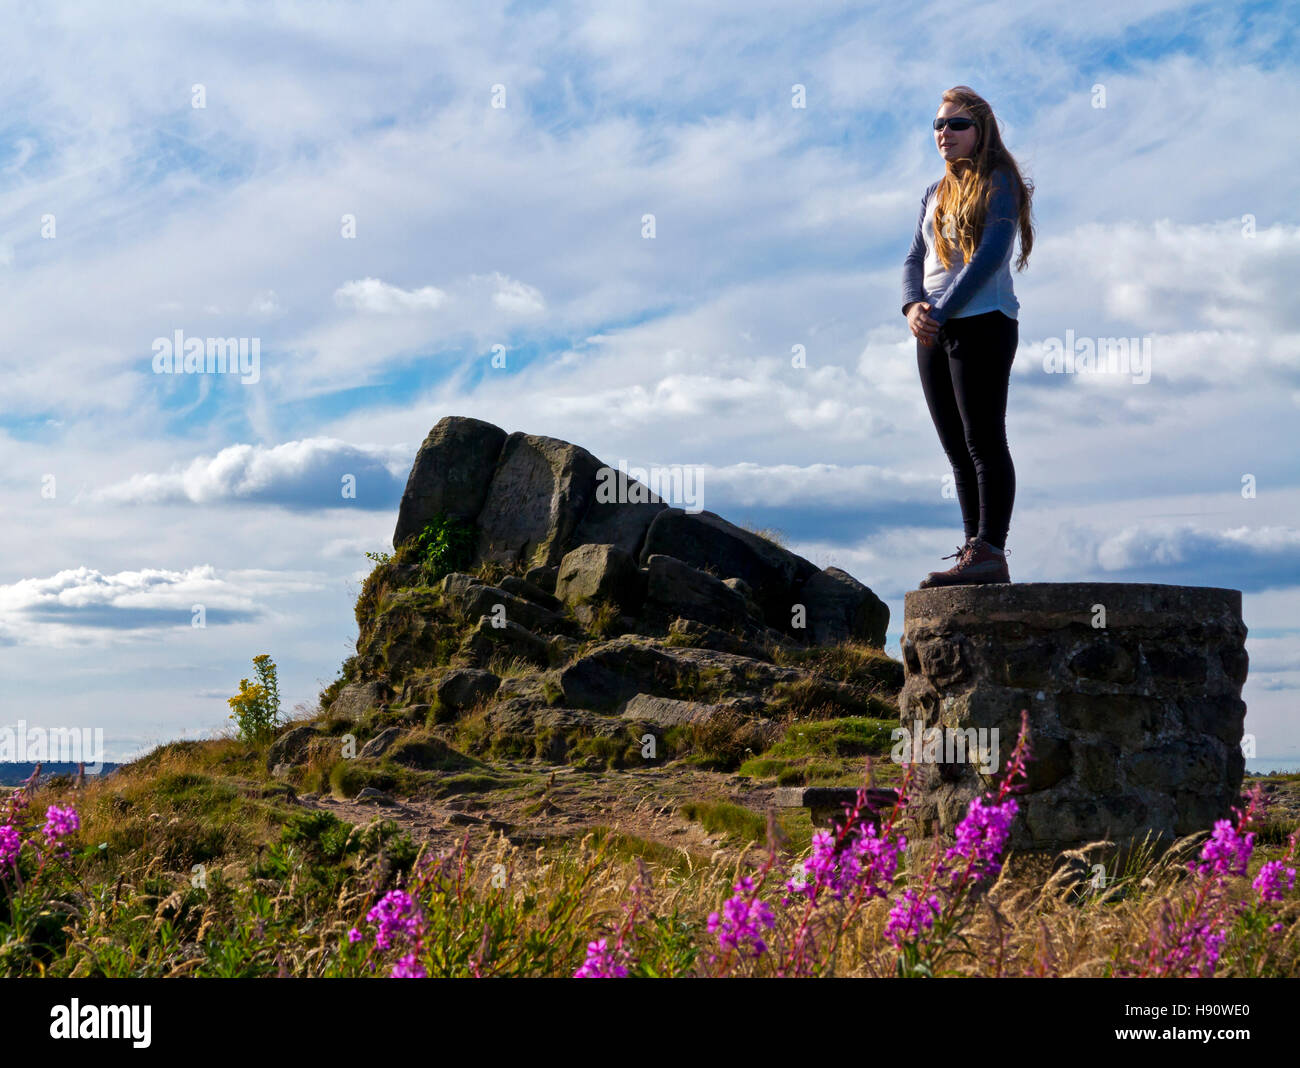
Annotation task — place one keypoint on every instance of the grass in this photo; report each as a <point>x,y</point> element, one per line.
<point>470,782</point>
<point>187,801</point>
<point>623,846</point>
<point>621,750</point>
<point>504,666</point>
<point>856,663</point>
<point>602,620</point>
<point>773,534</point>
<point>280,887</point>
<point>815,696</point>
<point>826,752</point>
<point>701,684</point>
<point>743,825</point>
<point>720,743</point>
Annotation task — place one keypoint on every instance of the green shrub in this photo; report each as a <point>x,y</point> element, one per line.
<point>446,544</point>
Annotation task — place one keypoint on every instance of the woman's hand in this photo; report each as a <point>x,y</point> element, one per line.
<point>923,327</point>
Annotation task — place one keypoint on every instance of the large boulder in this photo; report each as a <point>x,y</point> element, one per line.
<point>706,540</point>
<point>594,572</point>
<point>381,743</point>
<point>543,576</point>
<point>290,746</point>
<point>451,474</point>
<point>463,688</point>
<point>484,641</point>
<point>693,632</point>
<point>521,587</point>
<point>540,490</point>
<point>356,699</point>
<point>628,665</point>
<point>617,670</point>
<point>840,608</point>
<point>675,589</point>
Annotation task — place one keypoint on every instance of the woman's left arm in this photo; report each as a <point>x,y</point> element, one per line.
<point>999,232</point>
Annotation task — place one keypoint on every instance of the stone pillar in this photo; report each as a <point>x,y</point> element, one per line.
<point>1134,700</point>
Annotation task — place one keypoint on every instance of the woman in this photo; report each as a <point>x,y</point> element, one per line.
<point>960,305</point>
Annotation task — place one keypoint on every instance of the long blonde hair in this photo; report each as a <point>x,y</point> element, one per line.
<point>964,198</point>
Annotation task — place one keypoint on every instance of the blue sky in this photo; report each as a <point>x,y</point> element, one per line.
<point>132,496</point>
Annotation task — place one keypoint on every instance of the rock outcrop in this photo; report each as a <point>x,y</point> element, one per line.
<point>535,501</point>
<point>582,613</point>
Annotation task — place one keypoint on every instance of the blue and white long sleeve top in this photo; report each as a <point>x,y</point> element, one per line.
<point>983,284</point>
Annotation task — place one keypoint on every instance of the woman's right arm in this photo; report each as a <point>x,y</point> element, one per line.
<point>914,264</point>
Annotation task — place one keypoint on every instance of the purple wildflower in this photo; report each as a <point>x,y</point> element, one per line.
<point>1270,875</point>
<point>601,963</point>
<point>11,844</point>
<point>818,869</point>
<point>911,915</point>
<point>59,823</point>
<point>408,967</point>
<point>354,936</point>
<point>1226,851</point>
<point>866,866</point>
<point>16,802</point>
<point>741,925</point>
<point>1211,941</point>
<point>982,836</point>
<point>396,916</point>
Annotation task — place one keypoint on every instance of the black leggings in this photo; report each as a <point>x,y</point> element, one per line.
<point>965,374</point>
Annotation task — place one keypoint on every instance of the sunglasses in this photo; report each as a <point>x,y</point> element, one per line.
<point>957,124</point>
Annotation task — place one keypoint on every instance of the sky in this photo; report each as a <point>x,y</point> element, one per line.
<point>378,197</point>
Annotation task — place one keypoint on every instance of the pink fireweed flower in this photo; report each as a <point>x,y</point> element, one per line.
<point>819,870</point>
<point>396,917</point>
<point>11,845</point>
<point>982,836</point>
<point>740,926</point>
<point>59,823</point>
<point>1209,940</point>
<point>408,967</point>
<point>911,915</point>
<point>601,962</point>
<point>1226,852</point>
<point>867,865</point>
<point>1270,875</point>
<point>354,936</point>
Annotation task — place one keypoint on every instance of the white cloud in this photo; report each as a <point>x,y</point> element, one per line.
<point>380,298</point>
<point>516,297</point>
<point>310,472</point>
<point>1158,545</point>
<point>81,605</point>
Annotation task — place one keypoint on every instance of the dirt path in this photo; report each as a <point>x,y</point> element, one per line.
<point>641,802</point>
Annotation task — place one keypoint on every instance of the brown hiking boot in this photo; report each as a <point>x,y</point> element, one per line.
<point>976,563</point>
